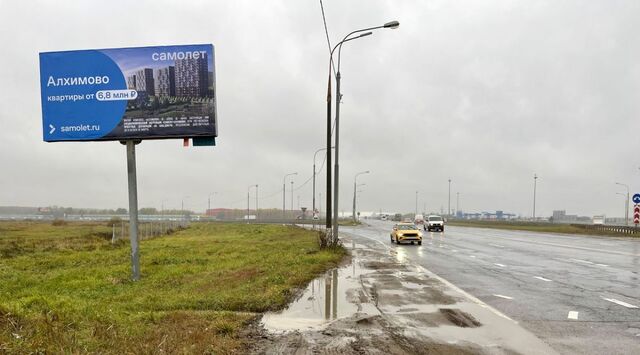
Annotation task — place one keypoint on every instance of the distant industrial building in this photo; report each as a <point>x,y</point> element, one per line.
<point>561,216</point>
<point>498,215</point>
<point>165,81</point>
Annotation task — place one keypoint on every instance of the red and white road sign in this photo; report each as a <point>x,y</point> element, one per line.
<point>636,214</point>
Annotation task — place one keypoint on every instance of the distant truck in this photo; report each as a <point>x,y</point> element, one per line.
<point>418,220</point>
<point>599,219</point>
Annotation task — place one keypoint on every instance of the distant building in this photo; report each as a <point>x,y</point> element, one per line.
<point>131,82</point>
<point>217,211</point>
<point>144,81</point>
<point>192,77</point>
<point>165,81</point>
<point>562,216</point>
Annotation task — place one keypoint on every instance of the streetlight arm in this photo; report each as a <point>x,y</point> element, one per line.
<point>360,173</point>
<point>284,179</point>
<point>392,24</point>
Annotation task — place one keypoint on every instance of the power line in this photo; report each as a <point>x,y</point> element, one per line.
<point>326,31</point>
<point>304,183</point>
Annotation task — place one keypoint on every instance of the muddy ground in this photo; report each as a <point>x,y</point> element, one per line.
<point>374,305</point>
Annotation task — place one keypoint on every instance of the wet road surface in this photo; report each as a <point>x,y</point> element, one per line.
<point>580,294</point>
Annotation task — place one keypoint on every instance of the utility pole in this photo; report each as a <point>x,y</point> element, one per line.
<point>457,202</point>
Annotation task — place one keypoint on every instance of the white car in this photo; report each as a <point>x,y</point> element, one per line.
<point>434,222</point>
<point>418,220</point>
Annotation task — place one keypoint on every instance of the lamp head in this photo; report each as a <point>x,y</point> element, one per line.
<point>392,24</point>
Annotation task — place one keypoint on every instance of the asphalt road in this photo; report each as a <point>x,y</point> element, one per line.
<point>580,294</point>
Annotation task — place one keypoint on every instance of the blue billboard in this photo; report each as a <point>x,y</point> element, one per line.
<point>129,93</point>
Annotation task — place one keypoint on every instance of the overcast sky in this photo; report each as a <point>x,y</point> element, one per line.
<point>486,93</point>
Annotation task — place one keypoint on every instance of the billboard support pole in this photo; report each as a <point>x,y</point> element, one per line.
<point>133,208</point>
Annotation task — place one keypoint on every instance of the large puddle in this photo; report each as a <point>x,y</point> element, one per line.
<point>337,294</point>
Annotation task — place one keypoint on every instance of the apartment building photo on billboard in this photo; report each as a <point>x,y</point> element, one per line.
<point>192,77</point>
<point>175,86</point>
<point>187,78</point>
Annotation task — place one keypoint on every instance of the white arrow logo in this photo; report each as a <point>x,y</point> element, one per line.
<point>53,129</point>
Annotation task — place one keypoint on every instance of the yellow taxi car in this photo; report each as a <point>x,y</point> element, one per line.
<point>406,232</point>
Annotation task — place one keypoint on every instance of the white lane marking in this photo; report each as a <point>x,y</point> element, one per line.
<point>505,297</point>
<point>497,245</point>
<point>454,250</point>
<point>625,304</point>
<point>573,315</point>
<point>546,243</point>
<point>449,284</point>
<point>465,294</point>
<point>582,261</point>
<point>501,265</point>
<point>603,265</point>
<point>541,278</point>
<point>473,256</point>
<point>564,245</point>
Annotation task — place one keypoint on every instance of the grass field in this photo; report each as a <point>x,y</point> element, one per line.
<point>66,289</point>
<point>533,227</point>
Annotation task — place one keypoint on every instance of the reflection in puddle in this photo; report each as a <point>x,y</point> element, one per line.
<point>401,255</point>
<point>334,295</point>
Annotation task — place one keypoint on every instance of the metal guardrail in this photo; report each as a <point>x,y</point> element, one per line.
<point>606,228</point>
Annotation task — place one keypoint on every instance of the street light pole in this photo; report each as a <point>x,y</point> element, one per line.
<point>336,189</point>
<point>284,190</point>
<point>626,204</point>
<point>359,192</point>
<point>182,206</point>
<point>209,200</point>
<point>457,202</point>
<point>449,208</point>
<point>292,197</point>
<point>535,181</point>
<point>355,197</point>
<point>355,178</point>
<point>162,209</point>
<point>248,207</point>
<point>416,204</point>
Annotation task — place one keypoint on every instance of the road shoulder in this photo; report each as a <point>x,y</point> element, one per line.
<point>380,303</point>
